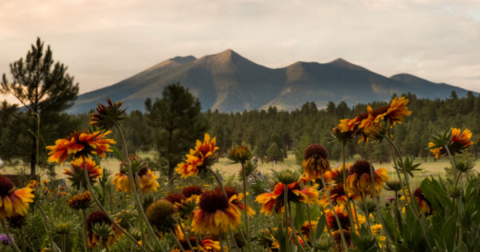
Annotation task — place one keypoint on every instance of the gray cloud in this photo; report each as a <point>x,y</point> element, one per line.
<point>104,41</point>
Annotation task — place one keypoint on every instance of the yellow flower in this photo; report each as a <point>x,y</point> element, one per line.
<point>197,159</point>
<point>216,214</point>
<point>397,111</point>
<point>13,201</point>
<point>359,181</point>
<point>80,144</point>
<point>236,198</point>
<point>80,201</point>
<point>343,217</point>
<point>76,174</point>
<point>98,217</point>
<point>458,142</point>
<point>315,161</point>
<point>148,181</point>
<point>376,229</point>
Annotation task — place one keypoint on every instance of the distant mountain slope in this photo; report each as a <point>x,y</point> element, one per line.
<point>229,82</point>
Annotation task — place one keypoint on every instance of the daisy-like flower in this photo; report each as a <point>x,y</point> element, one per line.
<point>80,201</point>
<point>337,238</point>
<point>194,191</point>
<point>13,201</point>
<point>236,198</point>
<point>337,195</point>
<point>76,175</point>
<point>80,144</point>
<point>95,219</point>
<point>274,201</point>
<point>397,111</point>
<point>198,159</point>
<point>148,181</point>
<point>359,181</point>
<point>216,214</point>
<point>315,160</point>
<point>305,229</point>
<point>458,142</point>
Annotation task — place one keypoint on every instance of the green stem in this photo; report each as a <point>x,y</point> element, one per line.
<point>294,233</point>
<point>85,231</point>
<point>340,228</point>
<point>367,214</point>
<point>22,238</point>
<point>309,223</point>
<point>221,243</point>
<point>140,209</point>
<point>245,207</point>
<point>344,173</point>
<point>177,241</point>
<point>285,222</point>
<point>186,237</point>
<point>45,217</point>
<point>356,215</point>
<point>10,238</point>
<point>89,186</point>
<point>329,230</point>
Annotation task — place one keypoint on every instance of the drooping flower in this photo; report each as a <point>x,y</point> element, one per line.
<point>76,174</point>
<point>236,198</point>
<point>13,201</point>
<point>148,181</point>
<point>240,154</point>
<point>359,181</point>
<point>96,219</point>
<point>274,201</point>
<point>456,143</point>
<point>424,206</point>
<point>198,159</point>
<point>315,160</point>
<point>80,144</point>
<point>80,201</point>
<point>216,214</point>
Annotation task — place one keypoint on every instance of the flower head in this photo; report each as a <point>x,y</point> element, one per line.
<point>315,160</point>
<point>192,191</point>
<point>359,180</point>
<point>80,201</point>
<point>160,214</point>
<point>240,154</point>
<point>4,239</point>
<point>198,159</point>
<point>80,144</point>
<point>106,116</point>
<point>216,214</point>
<point>96,221</point>
<point>343,218</point>
<point>424,206</point>
<point>274,201</point>
<point>13,201</point>
<point>236,198</point>
<point>148,181</point>
<point>76,174</point>
<point>455,140</point>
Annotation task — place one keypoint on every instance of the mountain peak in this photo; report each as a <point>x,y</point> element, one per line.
<point>183,60</point>
<point>176,61</point>
<point>345,64</point>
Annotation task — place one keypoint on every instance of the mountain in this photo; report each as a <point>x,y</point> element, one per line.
<point>229,82</point>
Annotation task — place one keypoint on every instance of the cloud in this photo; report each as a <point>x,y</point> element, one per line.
<point>105,41</point>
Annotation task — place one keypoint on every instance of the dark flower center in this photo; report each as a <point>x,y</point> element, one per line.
<point>96,217</point>
<point>212,201</point>
<point>360,167</point>
<point>175,198</point>
<point>6,186</point>
<point>315,150</point>
<point>192,190</point>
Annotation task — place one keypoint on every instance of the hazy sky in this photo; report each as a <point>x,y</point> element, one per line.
<point>106,41</point>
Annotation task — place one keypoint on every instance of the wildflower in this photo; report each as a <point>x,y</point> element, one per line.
<point>148,181</point>
<point>236,198</point>
<point>315,160</point>
<point>192,191</point>
<point>126,218</point>
<point>359,180</point>
<point>96,219</point>
<point>337,238</point>
<point>33,184</point>
<point>455,140</point>
<point>240,154</point>
<point>305,229</point>
<point>80,144</point>
<point>4,240</point>
<point>338,196</point>
<point>393,185</point>
<point>216,214</point>
<point>80,201</point>
<point>76,174</point>
<point>397,111</point>
<point>106,116</point>
<point>376,229</point>
<point>175,197</point>
<point>198,159</point>
<point>160,214</point>
<point>424,206</point>
<point>340,136</point>
<point>275,200</point>
<point>13,201</point>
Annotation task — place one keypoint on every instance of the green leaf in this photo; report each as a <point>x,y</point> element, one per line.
<point>320,227</point>
<point>447,236</point>
<point>300,212</point>
<point>117,153</point>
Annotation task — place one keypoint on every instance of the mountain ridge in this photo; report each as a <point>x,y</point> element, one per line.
<point>229,82</point>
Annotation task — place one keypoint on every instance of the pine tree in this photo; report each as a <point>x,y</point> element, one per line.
<point>44,89</point>
<point>177,122</point>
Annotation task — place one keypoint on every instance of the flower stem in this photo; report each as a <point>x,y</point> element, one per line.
<point>340,229</point>
<point>45,217</point>
<point>177,241</point>
<point>186,237</point>
<point>10,238</point>
<point>140,209</point>
<point>89,186</point>
<point>329,230</point>
<point>285,222</point>
<point>344,173</point>
<point>245,206</point>
<point>85,231</point>
<point>22,238</point>
<point>294,233</point>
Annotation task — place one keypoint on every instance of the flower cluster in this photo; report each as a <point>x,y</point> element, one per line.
<point>199,158</point>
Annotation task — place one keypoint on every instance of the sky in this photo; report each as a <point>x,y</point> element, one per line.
<point>103,41</point>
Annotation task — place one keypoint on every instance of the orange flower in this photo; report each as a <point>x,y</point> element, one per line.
<point>80,144</point>
<point>359,181</point>
<point>397,111</point>
<point>458,142</point>
<point>424,206</point>
<point>13,201</point>
<point>76,174</point>
<point>199,158</point>
<point>148,181</point>
<point>98,217</point>
<point>343,217</point>
<point>337,195</point>
<point>315,161</point>
<point>275,200</point>
<point>216,214</point>
<point>236,198</point>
